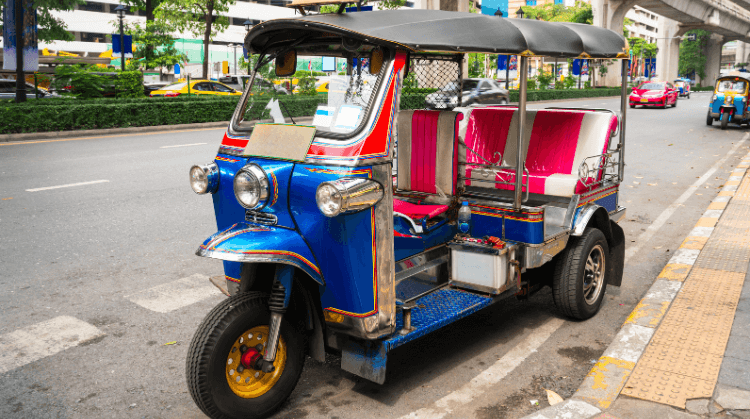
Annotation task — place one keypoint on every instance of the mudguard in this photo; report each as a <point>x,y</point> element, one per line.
<point>616,255</point>
<point>247,242</point>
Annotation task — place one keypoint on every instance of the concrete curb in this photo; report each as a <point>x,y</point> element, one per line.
<point>603,383</point>
<point>33,136</point>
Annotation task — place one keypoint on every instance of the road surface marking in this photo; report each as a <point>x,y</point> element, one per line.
<point>182,145</point>
<point>176,294</point>
<point>135,134</point>
<point>491,376</point>
<point>664,216</point>
<point>43,339</point>
<point>67,186</point>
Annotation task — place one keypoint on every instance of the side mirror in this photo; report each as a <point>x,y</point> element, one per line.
<point>376,60</point>
<point>286,64</point>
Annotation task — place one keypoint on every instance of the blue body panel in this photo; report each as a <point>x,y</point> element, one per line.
<point>276,243</point>
<point>344,245</point>
<point>520,230</point>
<point>739,105</point>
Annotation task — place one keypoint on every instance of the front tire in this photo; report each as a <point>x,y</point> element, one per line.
<point>724,120</point>
<point>632,106</point>
<point>674,105</point>
<point>219,389</point>
<point>580,282</point>
<point>709,119</point>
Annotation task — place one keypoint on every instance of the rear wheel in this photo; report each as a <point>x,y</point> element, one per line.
<point>724,120</point>
<point>632,106</point>
<point>709,119</point>
<point>220,363</point>
<point>580,282</point>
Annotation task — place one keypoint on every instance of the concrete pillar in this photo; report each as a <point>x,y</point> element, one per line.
<point>610,14</point>
<point>667,60</point>
<point>713,59</point>
<point>741,53</point>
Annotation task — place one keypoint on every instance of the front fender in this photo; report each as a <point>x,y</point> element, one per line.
<point>247,242</point>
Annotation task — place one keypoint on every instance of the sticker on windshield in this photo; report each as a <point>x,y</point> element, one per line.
<point>348,117</point>
<point>323,116</point>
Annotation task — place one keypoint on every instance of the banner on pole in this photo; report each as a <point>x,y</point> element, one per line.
<point>128,46</point>
<point>513,62</point>
<point>30,41</point>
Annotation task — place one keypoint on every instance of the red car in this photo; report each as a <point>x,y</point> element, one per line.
<point>654,93</point>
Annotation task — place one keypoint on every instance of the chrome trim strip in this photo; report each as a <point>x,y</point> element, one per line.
<point>617,214</point>
<point>583,219</point>
<point>537,255</point>
<point>260,258</point>
<point>386,280</point>
<point>261,218</point>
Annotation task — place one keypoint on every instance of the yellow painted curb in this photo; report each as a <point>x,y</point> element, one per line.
<point>706,222</point>
<point>693,242</point>
<point>675,272</point>
<point>718,205</point>
<point>726,193</point>
<point>608,367</point>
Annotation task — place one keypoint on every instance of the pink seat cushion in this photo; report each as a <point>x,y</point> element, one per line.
<point>418,211</point>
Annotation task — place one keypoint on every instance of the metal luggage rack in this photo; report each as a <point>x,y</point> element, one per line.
<point>604,168</point>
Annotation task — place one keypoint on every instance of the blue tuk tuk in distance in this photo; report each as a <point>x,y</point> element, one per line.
<point>683,84</point>
<point>729,101</point>
<point>340,231</point>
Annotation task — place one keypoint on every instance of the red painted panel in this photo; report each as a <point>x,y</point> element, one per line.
<point>553,142</point>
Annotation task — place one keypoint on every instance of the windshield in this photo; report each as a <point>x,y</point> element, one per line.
<point>679,83</point>
<point>731,85</point>
<point>176,86</point>
<point>651,86</point>
<point>338,108</point>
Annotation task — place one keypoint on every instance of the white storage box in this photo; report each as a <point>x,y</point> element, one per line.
<point>482,268</point>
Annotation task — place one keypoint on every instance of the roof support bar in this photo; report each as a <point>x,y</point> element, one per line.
<point>623,112</point>
<point>523,70</point>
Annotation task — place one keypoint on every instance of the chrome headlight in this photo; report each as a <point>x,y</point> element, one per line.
<point>251,187</point>
<point>205,178</point>
<point>347,195</point>
<point>713,98</point>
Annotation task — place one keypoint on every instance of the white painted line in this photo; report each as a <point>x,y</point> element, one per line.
<point>629,343</point>
<point>569,409</point>
<point>67,186</point>
<point>182,145</point>
<point>685,256</point>
<point>701,232</point>
<point>176,294</point>
<point>43,339</point>
<point>712,214</point>
<point>735,178</point>
<point>730,188</point>
<point>492,375</point>
<point>664,216</point>
<point>722,199</point>
<point>662,290</point>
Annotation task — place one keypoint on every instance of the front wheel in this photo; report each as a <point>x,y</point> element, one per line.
<point>724,120</point>
<point>580,282</point>
<point>674,105</point>
<point>632,106</point>
<point>219,368</point>
<point>709,119</point>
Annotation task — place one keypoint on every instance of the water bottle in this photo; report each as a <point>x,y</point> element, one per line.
<point>464,218</point>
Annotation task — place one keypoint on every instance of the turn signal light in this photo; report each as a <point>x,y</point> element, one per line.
<point>347,195</point>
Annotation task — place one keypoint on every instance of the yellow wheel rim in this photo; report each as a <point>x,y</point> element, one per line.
<point>251,383</point>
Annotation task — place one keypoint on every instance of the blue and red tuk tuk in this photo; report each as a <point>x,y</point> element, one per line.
<point>340,231</point>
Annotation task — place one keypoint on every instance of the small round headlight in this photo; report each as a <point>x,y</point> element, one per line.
<point>251,187</point>
<point>204,178</point>
<point>329,199</point>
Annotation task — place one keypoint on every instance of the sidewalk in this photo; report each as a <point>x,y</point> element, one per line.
<point>684,351</point>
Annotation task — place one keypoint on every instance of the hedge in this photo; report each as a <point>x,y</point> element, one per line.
<point>536,95</point>
<point>73,115</point>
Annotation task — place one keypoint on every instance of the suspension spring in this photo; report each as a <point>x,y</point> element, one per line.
<point>276,301</point>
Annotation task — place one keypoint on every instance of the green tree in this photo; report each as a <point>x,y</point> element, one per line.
<point>51,28</point>
<point>692,55</point>
<point>200,17</point>
<point>581,12</point>
<point>155,45</point>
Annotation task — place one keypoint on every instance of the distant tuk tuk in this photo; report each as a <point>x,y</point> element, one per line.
<point>729,101</point>
<point>374,221</point>
<point>683,85</point>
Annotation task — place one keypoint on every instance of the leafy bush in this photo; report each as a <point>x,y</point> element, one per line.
<point>544,78</point>
<point>306,85</point>
<point>536,95</point>
<point>78,81</point>
<point>129,84</point>
<point>530,84</point>
<point>73,114</point>
<point>570,82</point>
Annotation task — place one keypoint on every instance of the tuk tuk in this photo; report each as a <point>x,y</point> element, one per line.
<point>375,221</point>
<point>683,85</point>
<point>729,101</point>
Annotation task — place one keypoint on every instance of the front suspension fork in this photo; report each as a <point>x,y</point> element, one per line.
<point>277,304</point>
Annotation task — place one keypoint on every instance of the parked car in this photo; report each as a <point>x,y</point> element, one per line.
<point>151,87</point>
<point>197,87</point>
<point>476,92</point>
<point>8,91</point>
<point>654,93</point>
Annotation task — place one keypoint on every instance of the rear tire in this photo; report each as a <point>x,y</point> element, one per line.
<point>215,342</point>
<point>580,279</point>
<point>724,120</point>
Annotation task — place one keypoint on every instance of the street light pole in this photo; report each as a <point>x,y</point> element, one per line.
<point>248,24</point>
<point>120,10</point>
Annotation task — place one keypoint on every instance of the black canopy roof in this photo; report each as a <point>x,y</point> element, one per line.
<point>437,30</point>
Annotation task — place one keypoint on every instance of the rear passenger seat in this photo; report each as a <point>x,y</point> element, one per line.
<point>555,143</point>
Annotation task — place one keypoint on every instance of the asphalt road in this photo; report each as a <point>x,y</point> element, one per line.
<point>110,262</point>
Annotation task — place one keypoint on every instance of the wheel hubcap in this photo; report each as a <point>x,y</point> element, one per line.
<point>593,275</point>
<point>242,377</point>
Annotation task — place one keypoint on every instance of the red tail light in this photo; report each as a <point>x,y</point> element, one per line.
<point>171,94</point>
